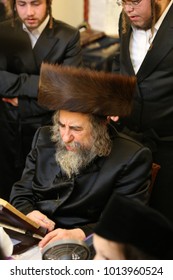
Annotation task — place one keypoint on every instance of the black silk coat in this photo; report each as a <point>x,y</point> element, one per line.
<point>80,201</point>
<point>19,77</point>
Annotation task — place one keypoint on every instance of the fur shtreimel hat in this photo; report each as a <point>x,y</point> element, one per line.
<point>130,222</point>
<point>85,90</point>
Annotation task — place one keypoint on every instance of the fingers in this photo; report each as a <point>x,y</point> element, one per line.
<point>113,118</point>
<point>50,237</point>
<point>60,233</point>
<point>41,219</point>
<point>47,223</point>
<point>57,234</point>
<point>12,101</point>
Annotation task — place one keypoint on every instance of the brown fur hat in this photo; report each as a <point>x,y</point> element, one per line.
<point>86,91</point>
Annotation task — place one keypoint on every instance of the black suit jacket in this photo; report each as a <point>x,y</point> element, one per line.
<point>153,106</point>
<point>20,64</point>
<point>80,201</point>
<point>19,77</point>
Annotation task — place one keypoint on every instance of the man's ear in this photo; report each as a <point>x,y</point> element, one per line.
<point>113,118</point>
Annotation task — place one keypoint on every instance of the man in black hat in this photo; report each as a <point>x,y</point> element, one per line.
<point>31,37</point>
<point>130,230</point>
<point>75,165</point>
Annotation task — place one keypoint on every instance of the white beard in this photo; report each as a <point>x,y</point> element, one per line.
<point>72,162</point>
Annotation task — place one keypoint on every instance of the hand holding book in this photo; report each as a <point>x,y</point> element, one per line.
<point>20,227</point>
<point>41,220</point>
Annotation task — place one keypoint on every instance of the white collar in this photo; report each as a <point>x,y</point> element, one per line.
<point>159,22</point>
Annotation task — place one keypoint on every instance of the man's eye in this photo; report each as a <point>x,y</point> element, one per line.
<point>21,4</point>
<point>76,128</point>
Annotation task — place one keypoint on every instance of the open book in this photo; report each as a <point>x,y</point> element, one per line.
<point>24,232</point>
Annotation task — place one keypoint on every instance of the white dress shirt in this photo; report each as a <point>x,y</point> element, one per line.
<point>35,34</point>
<point>141,41</point>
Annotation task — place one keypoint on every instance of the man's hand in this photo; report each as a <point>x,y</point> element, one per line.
<point>113,118</point>
<point>60,233</point>
<point>13,101</point>
<point>41,220</point>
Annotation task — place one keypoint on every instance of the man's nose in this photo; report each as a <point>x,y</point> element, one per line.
<point>30,10</point>
<point>128,7</point>
<point>67,136</point>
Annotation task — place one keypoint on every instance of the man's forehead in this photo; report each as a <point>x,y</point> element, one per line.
<point>73,117</point>
<point>30,1</point>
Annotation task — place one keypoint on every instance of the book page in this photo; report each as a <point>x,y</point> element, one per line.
<point>8,206</point>
<point>13,219</point>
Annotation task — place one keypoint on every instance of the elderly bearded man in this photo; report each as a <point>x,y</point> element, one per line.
<point>76,165</point>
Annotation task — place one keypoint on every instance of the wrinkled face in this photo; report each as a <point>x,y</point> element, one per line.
<point>31,12</point>
<point>75,130</point>
<point>141,14</point>
<point>79,139</point>
<point>107,250</point>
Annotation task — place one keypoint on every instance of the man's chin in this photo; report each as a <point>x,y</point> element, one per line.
<point>31,24</point>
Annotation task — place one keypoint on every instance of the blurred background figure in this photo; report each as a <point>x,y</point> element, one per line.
<point>5,10</point>
<point>146,50</point>
<point>131,230</point>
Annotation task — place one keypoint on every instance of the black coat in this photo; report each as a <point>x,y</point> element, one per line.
<point>151,121</point>
<point>19,77</point>
<point>80,201</point>
<point>153,108</point>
